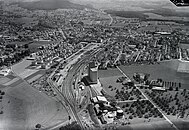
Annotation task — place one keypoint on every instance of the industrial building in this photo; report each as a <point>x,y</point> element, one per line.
<point>93,72</point>
<point>5,71</point>
<point>105,112</point>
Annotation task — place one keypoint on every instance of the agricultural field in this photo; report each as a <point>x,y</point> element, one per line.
<point>110,86</point>
<point>22,107</point>
<point>20,67</point>
<point>108,73</point>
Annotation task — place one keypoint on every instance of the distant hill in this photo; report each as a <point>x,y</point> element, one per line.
<point>128,14</point>
<point>50,5</point>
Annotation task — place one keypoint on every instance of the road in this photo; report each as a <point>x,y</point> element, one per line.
<point>130,101</point>
<point>111,19</point>
<point>146,97</point>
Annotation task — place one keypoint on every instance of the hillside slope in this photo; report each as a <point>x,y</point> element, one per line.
<point>50,5</point>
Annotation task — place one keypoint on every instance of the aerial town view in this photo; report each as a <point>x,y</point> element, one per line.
<point>94,65</point>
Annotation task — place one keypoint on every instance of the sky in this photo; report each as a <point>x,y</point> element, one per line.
<point>126,4</point>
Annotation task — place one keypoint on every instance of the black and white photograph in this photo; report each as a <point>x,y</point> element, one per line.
<point>94,64</point>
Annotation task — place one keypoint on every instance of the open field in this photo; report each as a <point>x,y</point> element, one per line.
<point>21,70</point>
<point>108,73</point>
<point>4,80</point>
<point>119,90</point>
<point>13,81</point>
<point>181,125</point>
<point>159,125</point>
<point>27,73</point>
<point>167,71</point>
<point>111,81</point>
<point>20,67</point>
<point>23,107</point>
<point>156,16</point>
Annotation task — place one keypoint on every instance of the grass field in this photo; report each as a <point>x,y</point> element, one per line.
<point>181,125</point>
<point>106,82</point>
<point>159,125</point>
<point>166,70</point>
<point>4,80</point>
<point>108,73</point>
<point>20,67</point>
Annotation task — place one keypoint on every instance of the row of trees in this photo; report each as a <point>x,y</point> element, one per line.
<point>2,93</point>
<point>73,126</point>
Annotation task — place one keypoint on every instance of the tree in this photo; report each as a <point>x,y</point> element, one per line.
<point>147,82</point>
<point>2,93</point>
<point>131,83</point>
<point>170,88</point>
<point>130,117</point>
<point>38,126</point>
<point>184,92</point>
<point>113,103</point>
<point>26,46</point>
<point>126,105</point>
<point>110,86</point>
<point>146,116</point>
<point>179,85</point>
<point>146,77</point>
